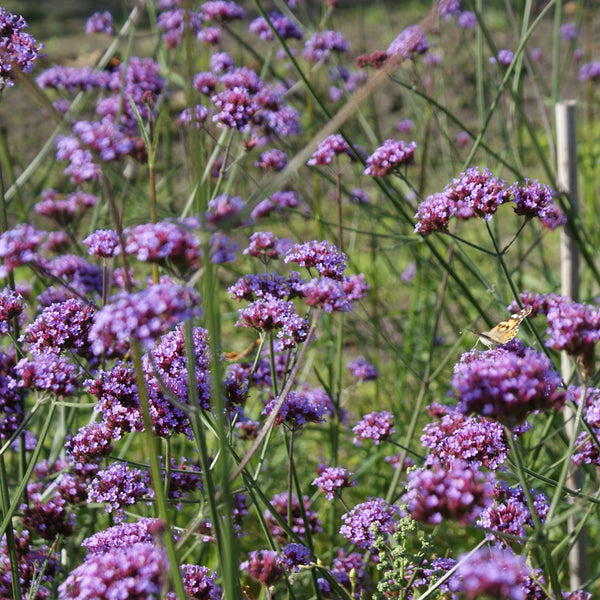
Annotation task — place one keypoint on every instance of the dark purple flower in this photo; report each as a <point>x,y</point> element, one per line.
<point>84,277</point>
<point>70,79</point>
<point>48,517</point>
<point>199,584</point>
<point>221,62</point>
<point>18,49</point>
<point>569,32</point>
<point>504,58</point>
<point>120,536</point>
<point>467,20</point>
<point>252,287</point>
<point>286,28</point>
<point>100,22</point>
<point>272,159</point>
<point>90,443</point>
<point>269,313</point>
<point>266,246</point>
<point>64,209</point>
<point>103,243</point>
<point>376,426</point>
<point>510,513</point>
<point>236,107</point>
<point>507,383</point>
<point>323,256</point>
<point>199,116</point>
<point>19,246</point>
<point>332,480</point>
<point>590,71</point>
<point>211,36</point>
<point>165,240</point>
<point>168,361</point>
<point>266,566</point>
<point>11,307</point>
<point>332,146</point>
<point>143,316</point>
<point>136,572</point>
<point>59,327</point>
<point>295,555</point>
<point>474,194</point>
<point>49,372</point>
<point>359,196</point>
<point>205,82</point>
<point>299,519</point>
<point>297,410</point>
<point>456,491</point>
<point>493,572</point>
<point>351,572</point>
<point>362,369</point>
<point>478,441</point>
<point>221,10</point>
<point>172,23</point>
<point>389,157</point>
<point>535,200</point>
<point>322,43</point>
<point>409,44</point>
<point>11,406</point>
<point>224,211</point>
<point>358,523</point>
<point>118,486</point>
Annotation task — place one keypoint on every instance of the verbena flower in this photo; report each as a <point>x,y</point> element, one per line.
<point>197,118</point>
<point>18,49</point>
<point>535,200</point>
<point>331,480</point>
<point>376,426</point>
<point>457,492</point>
<point>295,555</point>
<point>221,62</point>
<point>332,146</point>
<point>478,441</point>
<point>286,28</point>
<point>100,22</point>
<point>272,159</point>
<point>142,316</point>
<point>90,443</point>
<point>86,278</point>
<point>279,502</point>
<point>322,43</point>
<point>266,566</point>
<point>507,383</point>
<point>467,20</point>
<point>297,410</point>
<point>221,10</point>
<point>569,32</point>
<point>360,521</point>
<point>409,43</point>
<point>172,24</point>
<point>362,369</point>
<point>47,517</point>
<point>224,211</point>
<point>121,536</point>
<point>119,486</point>
<point>491,572</point>
<point>322,256</point>
<point>19,246</point>
<point>252,287</point>
<point>586,448</point>
<point>60,327</point>
<point>11,307</point>
<point>49,373</point>
<point>64,209</point>
<point>71,79</point>
<point>350,571</point>
<point>590,71</point>
<point>326,293</point>
<point>392,155</point>
<point>136,572</point>
<point>277,202</point>
<point>510,513</point>
<point>11,405</point>
<point>103,243</point>
<point>236,107</point>
<point>205,82</point>
<point>504,58</point>
<point>199,583</point>
<point>474,194</point>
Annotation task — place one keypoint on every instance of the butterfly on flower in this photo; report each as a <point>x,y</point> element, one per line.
<point>504,331</point>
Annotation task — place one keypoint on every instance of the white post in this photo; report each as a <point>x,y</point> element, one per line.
<point>566,182</point>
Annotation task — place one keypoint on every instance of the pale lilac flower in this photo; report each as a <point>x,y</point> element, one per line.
<point>103,243</point>
<point>362,369</point>
<point>286,28</point>
<point>328,260</point>
<point>297,410</point>
<point>322,43</point>
<point>409,44</point>
<point>299,519</point>
<point>19,246</point>
<point>467,20</point>
<point>222,10</point>
<point>359,522</point>
<point>376,426</point>
<point>11,307</point>
<point>569,32</point>
<point>389,157</point>
<point>100,22</point>
<point>331,480</point>
<point>272,159</point>
<point>49,373</point>
<point>535,200</point>
<point>205,82</point>
<point>332,146</point>
<point>504,58</point>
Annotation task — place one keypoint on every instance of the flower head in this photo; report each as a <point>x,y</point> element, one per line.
<point>300,519</point>
<point>322,43</point>
<point>376,426</point>
<point>266,566</point>
<point>100,22</point>
<point>332,480</point>
<point>357,527</point>
<point>389,157</point>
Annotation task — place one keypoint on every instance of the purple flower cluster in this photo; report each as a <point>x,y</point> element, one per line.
<point>18,49</point>
<point>286,28</point>
<point>295,555</point>
<point>491,573</point>
<point>376,426</point>
<point>64,209</point>
<point>350,571</point>
<point>266,246</point>
<point>590,71</point>
<point>457,491</point>
<point>222,10</point>
<point>142,316</point>
<point>100,22</point>
<point>11,307</point>
<point>49,373</point>
<point>236,108</point>
<point>299,520</point>
<point>122,536</point>
<point>362,369</point>
<point>322,43</point>
<point>332,146</point>
<point>266,566</point>
<point>297,410</point>
<point>409,43</point>
<point>103,243</point>
<point>322,256</point>
<point>507,383</point>
<point>389,157</point>
<point>510,513</point>
<point>360,521</point>
<point>19,246</point>
<point>277,202</point>
<point>172,23</point>
<point>272,159</point>
<point>332,480</point>
<point>586,447</point>
<point>479,194</point>
<point>478,441</point>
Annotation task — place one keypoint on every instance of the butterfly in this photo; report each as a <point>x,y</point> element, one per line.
<point>504,331</point>
<point>231,356</point>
